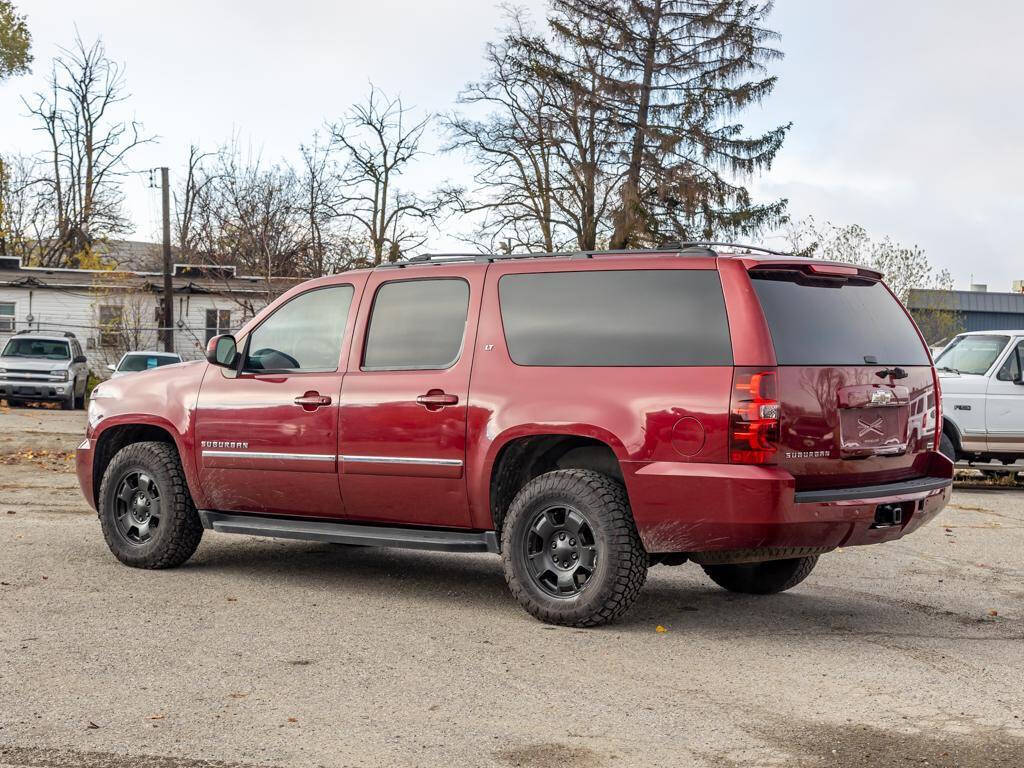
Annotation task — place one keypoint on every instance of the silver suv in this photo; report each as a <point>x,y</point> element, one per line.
<point>44,366</point>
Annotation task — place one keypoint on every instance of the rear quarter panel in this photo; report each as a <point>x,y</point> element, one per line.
<point>632,409</point>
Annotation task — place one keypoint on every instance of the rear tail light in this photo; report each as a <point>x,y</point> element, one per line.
<point>754,417</point>
<point>938,410</point>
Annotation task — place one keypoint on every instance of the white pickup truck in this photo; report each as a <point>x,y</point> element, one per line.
<point>982,377</point>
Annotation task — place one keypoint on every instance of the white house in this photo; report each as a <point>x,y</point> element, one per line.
<point>113,311</point>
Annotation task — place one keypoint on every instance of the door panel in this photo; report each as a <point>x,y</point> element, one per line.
<point>1004,407</point>
<point>260,451</point>
<point>403,431</point>
<point>268,433</point>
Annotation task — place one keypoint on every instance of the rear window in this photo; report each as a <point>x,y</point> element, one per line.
<point>835,321</point>
<point>671,317</point>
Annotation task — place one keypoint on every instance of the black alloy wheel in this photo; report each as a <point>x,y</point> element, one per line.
<point>138,510</point>
<point>560,551</point>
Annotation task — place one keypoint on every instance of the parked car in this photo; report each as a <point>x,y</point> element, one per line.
<point>134,362</point>
<point>983,396</point>
<point>584,416</point>
<point>44,367</point>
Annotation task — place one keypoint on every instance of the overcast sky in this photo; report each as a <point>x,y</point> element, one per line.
<point>907,115</point>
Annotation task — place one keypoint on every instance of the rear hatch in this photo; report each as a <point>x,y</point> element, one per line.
<point>855,381</point>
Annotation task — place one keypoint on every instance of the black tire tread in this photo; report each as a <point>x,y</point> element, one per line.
<point>185,530</point>
<point>628,559</point>
<point>767,578</point>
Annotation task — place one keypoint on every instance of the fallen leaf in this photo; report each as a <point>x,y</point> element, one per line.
<point>238,695</point>
<point>660,629</point>
<point>993,613</point>
<point>157,717</point>
<point>232,599</point>
<point>91,725</point>
<point>293,719</point>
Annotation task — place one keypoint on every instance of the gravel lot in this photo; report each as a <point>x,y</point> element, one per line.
<point>269,653</point>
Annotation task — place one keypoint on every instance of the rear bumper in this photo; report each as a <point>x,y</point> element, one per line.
<point>684,507</point>
<point>83,468</point>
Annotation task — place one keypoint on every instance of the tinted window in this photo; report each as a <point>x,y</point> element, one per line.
<point>971,354</point>
<point>304,334</point>
<point>834,321</point>
<point>417,324</point>
<point>49,350</point>
<point>616,318</point>
<point>144,362</point>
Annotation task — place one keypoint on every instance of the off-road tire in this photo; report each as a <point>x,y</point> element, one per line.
<point>68,403</point>
<point>946,448</point>
<point>767,578</point>
<point>80,401</point>
<point>179,530</point>
<point>621,562</point>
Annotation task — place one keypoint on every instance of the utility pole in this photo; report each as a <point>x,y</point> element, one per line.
<point>168,321</point>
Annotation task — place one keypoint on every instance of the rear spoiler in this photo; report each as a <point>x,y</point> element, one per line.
<point>815,267</point>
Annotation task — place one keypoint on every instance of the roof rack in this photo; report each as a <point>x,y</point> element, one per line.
<point>66,334</point>
<point>693,247</point>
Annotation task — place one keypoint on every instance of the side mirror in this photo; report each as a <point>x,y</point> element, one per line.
<point>1019,381</point>
<point>80,359</point>
<point>112,368</point>
<point>222,351</point>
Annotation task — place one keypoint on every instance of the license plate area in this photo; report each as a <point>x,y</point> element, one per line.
<point>880,431</point>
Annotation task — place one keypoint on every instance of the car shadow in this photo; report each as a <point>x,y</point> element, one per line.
<point>673,597</point>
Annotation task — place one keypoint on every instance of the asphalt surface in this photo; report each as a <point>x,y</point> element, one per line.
<point>269,653</point>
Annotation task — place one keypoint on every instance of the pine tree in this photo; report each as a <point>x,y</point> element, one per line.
<point>680,71</point>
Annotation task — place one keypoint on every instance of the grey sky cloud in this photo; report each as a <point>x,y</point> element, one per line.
<point>907,115</point>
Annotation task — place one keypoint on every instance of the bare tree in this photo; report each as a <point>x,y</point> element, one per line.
<point>24,207</point>
<point>513,148</point>
<point>378,142</point>
<point>544,152</point>
<point>88,148</point>
<point>330,246</point>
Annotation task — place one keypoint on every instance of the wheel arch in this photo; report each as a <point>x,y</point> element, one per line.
<point>951,430</point>
<point>522,456</point>
<point>125,430</point>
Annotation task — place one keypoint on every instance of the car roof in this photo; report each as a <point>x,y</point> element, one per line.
<point>751,256</point>
<point>993,332</point>
<point>39,337</point>
<point>156,352</point>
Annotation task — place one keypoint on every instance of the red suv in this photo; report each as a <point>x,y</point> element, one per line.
<point>583,415</point>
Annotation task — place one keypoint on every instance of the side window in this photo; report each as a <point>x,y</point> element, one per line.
<point>668,317</point>
<point>303,335</point>
<point>1011,368</point>
<point>417,325</point>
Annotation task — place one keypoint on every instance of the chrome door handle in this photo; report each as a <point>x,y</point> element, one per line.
<point>436,399</point>
<point>312,400</point>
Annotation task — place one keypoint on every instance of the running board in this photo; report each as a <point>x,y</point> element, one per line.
<point>350,533</point>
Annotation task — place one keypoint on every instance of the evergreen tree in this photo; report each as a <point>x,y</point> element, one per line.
<point>675,74</point>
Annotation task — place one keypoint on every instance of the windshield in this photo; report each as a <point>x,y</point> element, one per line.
<point>971,354</point>
<point>133,363</point>
<point>38,348</point>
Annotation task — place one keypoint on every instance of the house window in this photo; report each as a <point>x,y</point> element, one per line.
<point>218,321</point>
<point>6,316</point>
<point>111,321</point>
